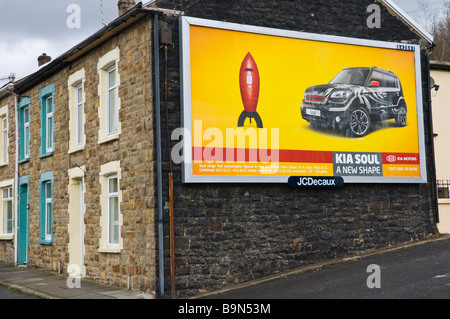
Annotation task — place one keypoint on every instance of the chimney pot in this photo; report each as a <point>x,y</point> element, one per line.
<point>44,59</point>
<point>125,6</point>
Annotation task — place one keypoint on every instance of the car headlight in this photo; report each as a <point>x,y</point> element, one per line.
<point>340,96</point>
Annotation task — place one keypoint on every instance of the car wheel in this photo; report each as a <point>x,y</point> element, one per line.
<point>400,118</point>
<point>359,122</point>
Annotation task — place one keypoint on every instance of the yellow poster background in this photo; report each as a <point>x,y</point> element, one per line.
<point>287,68</point>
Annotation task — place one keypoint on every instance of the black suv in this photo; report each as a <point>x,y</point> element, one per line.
<point>354,99</point>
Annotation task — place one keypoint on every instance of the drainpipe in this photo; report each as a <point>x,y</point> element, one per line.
<point>433,159</point>
<point>158,156</point>
<point>16,180</point>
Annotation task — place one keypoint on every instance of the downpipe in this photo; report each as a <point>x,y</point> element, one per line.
<point>433,161</point>
<point>158,155</point>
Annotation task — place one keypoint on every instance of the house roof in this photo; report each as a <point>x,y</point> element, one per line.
<point>88,44</point>
<point>408,21</point>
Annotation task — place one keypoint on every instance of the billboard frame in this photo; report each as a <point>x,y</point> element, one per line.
<point>186,119</point>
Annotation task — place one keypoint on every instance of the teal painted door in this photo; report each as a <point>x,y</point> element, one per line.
<point>22,242</point>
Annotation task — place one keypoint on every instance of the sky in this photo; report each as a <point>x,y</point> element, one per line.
<point>29,28</point>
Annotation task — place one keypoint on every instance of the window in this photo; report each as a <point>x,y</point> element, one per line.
<point>6,210</point>
<point>108,91</point>
<point>46,96</point>
<point>49,126</point>
<point>443,187</point>
<point>113,210</point>
<point>4,135</point>
<point>26,138</point>
<point>77,138</point>
<point>24,129</point>
<point>48,211</point>
<point>5,138</point>
<point>110,199</point>
<point>111,107</point>
<point>79,131</point>
<point>46,208</point>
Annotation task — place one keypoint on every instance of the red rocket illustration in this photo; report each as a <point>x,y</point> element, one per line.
<point>249,84</point>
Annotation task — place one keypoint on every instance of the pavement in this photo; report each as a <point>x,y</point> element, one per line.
<point>50,285</point>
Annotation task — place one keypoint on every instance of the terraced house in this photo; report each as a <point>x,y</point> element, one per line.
<point>90,184</point>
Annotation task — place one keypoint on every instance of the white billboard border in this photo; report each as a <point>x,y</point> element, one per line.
<point>186,120</point>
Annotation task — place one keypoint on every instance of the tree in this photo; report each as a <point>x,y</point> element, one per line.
<point>436,17</point>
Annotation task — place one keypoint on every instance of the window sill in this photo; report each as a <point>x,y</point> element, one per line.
<point>3,164</point>
<point>45,242</point>
<point>7,237</point>
<point>112,137</point>
<point>24,160</point>
<point>76,149</point>
<point>110,250</point>
<point>45,155</point>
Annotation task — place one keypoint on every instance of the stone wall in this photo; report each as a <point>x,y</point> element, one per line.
<point>134,150</point>
<point>228,234</point>
<point>7,173</point>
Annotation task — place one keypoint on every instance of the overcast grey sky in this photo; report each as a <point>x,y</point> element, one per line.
<point>29,28</point>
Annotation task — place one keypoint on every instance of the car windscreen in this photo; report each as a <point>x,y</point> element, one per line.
<point>351,76</point>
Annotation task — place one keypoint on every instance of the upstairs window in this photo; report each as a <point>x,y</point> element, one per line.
<point>108,91</point>
<point>47,99</point>
<point>111,104</point>
<point>77,120</point>
<point>4,135</point>
<point>24,129</point>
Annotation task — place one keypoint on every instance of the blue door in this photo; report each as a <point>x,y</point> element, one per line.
<point>22,240</point>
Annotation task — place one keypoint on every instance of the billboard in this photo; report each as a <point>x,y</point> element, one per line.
<point>260,105</point>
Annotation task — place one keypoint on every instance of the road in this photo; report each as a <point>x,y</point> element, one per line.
<point>7,293</point>
<point>416,272</point>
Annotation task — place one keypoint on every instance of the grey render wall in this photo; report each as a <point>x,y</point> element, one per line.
<point>228,234</point>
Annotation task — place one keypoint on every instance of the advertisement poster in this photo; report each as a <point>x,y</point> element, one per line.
<point>262,104</point>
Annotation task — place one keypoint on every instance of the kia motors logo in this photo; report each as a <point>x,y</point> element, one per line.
<point>391,158</point>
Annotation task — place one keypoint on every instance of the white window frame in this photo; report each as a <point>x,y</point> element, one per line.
<point>4,135</point>
<point>26,128</point>
<point>109,130</point>
<point>8,198</point>
<point>49,128</point>
<point>79,114</point>
<point>109,171</point>
<point>111,126</point>
<point>48,210</point>
<point>111,228</point>
<point>6,185</point>
<point>77,118</point>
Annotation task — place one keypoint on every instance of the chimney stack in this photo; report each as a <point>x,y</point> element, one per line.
<point>125,6</point>
<point>44,59</point>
